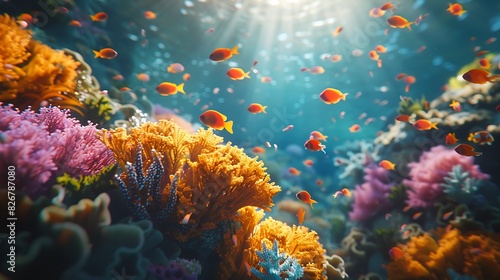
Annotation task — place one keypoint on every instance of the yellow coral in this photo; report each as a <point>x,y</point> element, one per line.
<point>476,254</point>
<point>297,242</point>
<point>213,181</point>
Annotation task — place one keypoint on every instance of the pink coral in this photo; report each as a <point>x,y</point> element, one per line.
<point>428,173</point>
<point>373,195</point>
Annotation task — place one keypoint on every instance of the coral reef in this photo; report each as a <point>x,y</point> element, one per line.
<point>45,145</point>
<point>372,196</point>
<point>472,253</point>
<point>200,181</point>
<point>427,175</point>
<point>459,186</point>
<point>355,156</point>
<point>335,267</point>
<point>276,265</point>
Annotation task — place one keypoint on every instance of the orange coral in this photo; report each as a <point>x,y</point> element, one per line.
<point>476,254</point>
<point>33,74</point>
<point>213,181</point>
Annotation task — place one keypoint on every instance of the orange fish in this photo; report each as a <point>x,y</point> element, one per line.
<point>480,53</point>
<point>400,76</point>
<point>186,77</point>
<point>354,128</point>
<point>304,196</point>
<point>424,125</point>
<point>467,150</point>
<point>294,171</point>
<point>455,9</point>
<point>399,22</point>
<point>346,192</point>
<point>337,31</point>
<point>332,96</point>
<point>216,120</point>
<point>376,12</point>
<point>403,118</point>
<point>481,137</point>
<point>336,58</point>
<point>456,106</point>
<point>256,108</point>
<point>266,79</point>
<point>300,215</point>
<point>319,182</point>
<point>450,139</point>
<point>124,89</point>
<point>484,63</point>
<point>314,145</point>
<point>185,220</point>
<point>149,15</point>
<point>373,55</point>
<point>175,68</point>
<point>417,215</point>
<point>396,253</point>
<point>447,215</point>
<point>221,54</point>
<point>100,16</point>
<point>380,49</point>
<point>308,162</point>
<point>387,6</point>
<point>387,165</point>
<point>317,135</point>
<point>479,76</point>
<point>258,150</point>
<point>237,74</point>
<point>107,53</point>
<point>143,77</point>
<point>25,17</point>
<point>118,77</point>
<point>234,238</point>
<point>75,23</point>
<point>166,88</point>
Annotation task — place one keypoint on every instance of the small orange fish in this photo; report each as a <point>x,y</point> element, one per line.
<point>314,145</point>
<point>175,68</point>
<point>143,77</point>
<point>294,171</point>
<point>107,53</point>
<point>308,162</point>
<point>447,215</point>
<point>400,76</point>
<point>124,89</point>
<point>75,23</point>
<point>417,215</point>
<point>354,128</point>
<point>403,118</point>
<point>373,55</point>
<point>287,128</point>
<point>481,138</point>
<point>346,192</point>
<point>399,22</point>
<point>387,165</point>
<point>118,77</point>
<point>186,77</point>
<point>332,96</point>
<point>480,53</point>
<point>376,12</point>
<point>319,182</point>
<point>380,49</point>
<point>300,215</point>
<point>450,139</point>
<point>216,120</point>
<point>396,253</point>
<point>337,31</point>
<point>479,76</point>
<point>258,150</point>
<point>455,9</point>
<point>387,6</point>
<point>304,196</point>
<point>167,88</point>
<point>484,63</point>
<point>149,15</point>
<point>467,150</point>
<point>237,74</point>
<point>424,125</point>
<point>336,58</point>
<point>256,108</point>
<point>100,16</point>
<point>456,106</point>
<point>185,220</point>
<point>317,135</point>
<point>234,238</point>
<point>316,70</point>
<point>221,54</point>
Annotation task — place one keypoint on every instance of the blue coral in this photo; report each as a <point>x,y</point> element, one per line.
<point>277,266</point>
<point>459,185</point>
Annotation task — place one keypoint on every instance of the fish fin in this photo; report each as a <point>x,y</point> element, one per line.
<point>264,109</point>
<point>180,88</point>
<point>235,50</point>
<point>407,25</point>
<point>96,54</point>
<point>433,125</point>
<point>229,126</point>
<point>311,201</point>
<point>493,78</point>
<point>471,137</point>
<point>344,95</point>
<point>93,18</point>
<point>246,75</point>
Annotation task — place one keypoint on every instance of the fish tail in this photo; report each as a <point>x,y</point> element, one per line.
<point>344,95</point>
<point>471,137</point>
<point>433,125</point>
<point>180,88</point>
<point>246,75</point>
<point>235,50</point>
<point>93,18</point>
<point>264,109</point>
<point>407,25</point>
<point>311,201</point>
<point>493,78</point>
<point>229,126</point>
<point>96,54</point>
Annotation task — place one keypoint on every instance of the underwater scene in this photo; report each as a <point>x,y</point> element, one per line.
<point>250,139</point>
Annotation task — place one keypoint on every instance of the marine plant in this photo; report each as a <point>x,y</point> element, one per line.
<point>408,106</point>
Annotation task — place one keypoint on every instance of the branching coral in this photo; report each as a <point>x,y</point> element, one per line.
<point>355,156</point>
<point>202,180</point>
<point>459,186</point>
<point>276,265</point>
<point>427,175</point>
<point>42,146</point>
<point>476,254</point>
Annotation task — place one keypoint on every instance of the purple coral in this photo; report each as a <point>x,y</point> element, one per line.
<point>373,195</point>
<point>427,175</point>
<point>42,146</point>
